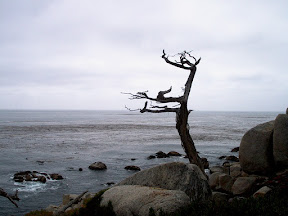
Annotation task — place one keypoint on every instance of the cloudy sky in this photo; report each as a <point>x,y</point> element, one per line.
<point>72,54</point>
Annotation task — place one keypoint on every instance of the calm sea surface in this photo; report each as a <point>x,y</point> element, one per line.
<point>64,141</point>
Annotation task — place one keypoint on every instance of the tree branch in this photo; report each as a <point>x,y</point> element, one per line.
<point>159,110</point>
<point>10,197</point>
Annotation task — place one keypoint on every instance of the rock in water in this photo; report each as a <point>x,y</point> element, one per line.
<point>280,141</point>
<point>256,149</point>
<point>174,176</point>
<point>135,168</point>
<point>98,166</point>
<point>129,200</point>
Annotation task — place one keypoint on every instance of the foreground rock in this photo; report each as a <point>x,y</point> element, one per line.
<point>256,150</point>
<point>280,141</point>
<point>98,166</point>
<point>174,176</point>
<point>129,200</point>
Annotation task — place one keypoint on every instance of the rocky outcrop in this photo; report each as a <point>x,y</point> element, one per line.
<point>280,141</point>
<point>256,149</point>
<point>129,200</point>
<point>98,166</point>
<point>35,176</point>
<point>174,176</point>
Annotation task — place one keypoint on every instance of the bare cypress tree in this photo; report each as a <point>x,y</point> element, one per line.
<point>182,113</point>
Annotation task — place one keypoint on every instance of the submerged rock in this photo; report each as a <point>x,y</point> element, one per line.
<point>98,166</point>
<point>161,154</point>
<point>136,168</point>
<point>174,153</point>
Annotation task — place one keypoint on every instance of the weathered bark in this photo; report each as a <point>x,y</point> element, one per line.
<point>186,139</point>
<point>182,112</point>
<point>10,197</point>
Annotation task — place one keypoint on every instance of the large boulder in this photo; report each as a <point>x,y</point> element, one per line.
<point>129,200</point>
<point>174,176</point>
<point>280,141</point>
<point>243,185</point>
<point>256,149</point>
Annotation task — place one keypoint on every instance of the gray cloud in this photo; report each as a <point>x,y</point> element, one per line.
<point>55,49</point>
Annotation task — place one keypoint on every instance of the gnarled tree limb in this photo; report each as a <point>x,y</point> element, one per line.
<point>10,197</point>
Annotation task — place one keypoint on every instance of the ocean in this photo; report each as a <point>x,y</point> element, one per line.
<point>64,141</point>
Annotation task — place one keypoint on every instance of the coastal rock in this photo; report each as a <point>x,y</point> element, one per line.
<point>35,176</point>
<point>235,170</point>
<point>55,176</point>
<point>280,141</point>
<point>243,185</point>
<point>214,169</point>
<point>161,154</point>
<point>225,182</point>
<point>220,198</point>
<point>174,153</point>
<point>205,163</point>
<point>135,168</point>
<point>151,157</point>
<point>173,176</point>
<point>232,158</point>
<point>236,149</point>
<point>256,149</point>
<point>262,192</point>
<point>129,200</point>
<point>98,166</point>
<point>214,180</point>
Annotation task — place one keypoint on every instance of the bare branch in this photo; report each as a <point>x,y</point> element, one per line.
<point>132,109</point>
<point>159,110</point>
<point>10,197</point>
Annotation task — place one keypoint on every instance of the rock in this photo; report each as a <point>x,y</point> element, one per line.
<point>133,159</point>
<point>280,141</point>
<point>256,149</point>
<point>262,192</point>
<point>173,176</point>
<point>41,179</point>
<point>216,169</point>
<point>173,153</point>
<point>220,198</point>
<point>129,200</point>
<point>161,154</point>
<point>80,169</point>
<point>287,111</point>
<point>232,158</point>
<point>222,157</point>
<point>236,149</point>
<point>55,176</point>
<point>235,170</point>
<point>225,182</point>
<point>68,197</point>
<point>98,166</point>
<point>136,168</point>
<point>110,183</point>
<point>205,163</point>
<point>242,185</point>
<point>151,157</point>
<point>214,180</point>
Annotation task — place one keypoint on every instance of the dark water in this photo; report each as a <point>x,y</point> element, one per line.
<point>69,140</point>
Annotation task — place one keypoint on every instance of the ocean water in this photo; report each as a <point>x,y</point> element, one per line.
<point>64,141</point>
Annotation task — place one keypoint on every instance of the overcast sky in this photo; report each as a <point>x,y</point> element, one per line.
<point>81,54</point>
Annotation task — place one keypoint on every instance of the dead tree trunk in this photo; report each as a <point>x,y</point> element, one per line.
<point>182,112</point>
